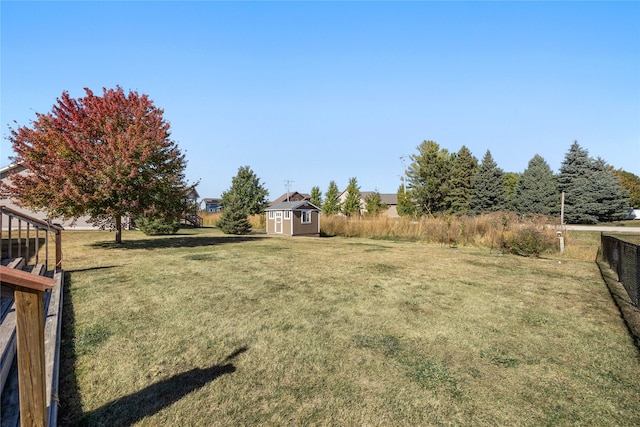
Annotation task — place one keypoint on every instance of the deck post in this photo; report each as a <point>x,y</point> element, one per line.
<point>58,250</point>
<point>30,352</point>
<point>28,294</point>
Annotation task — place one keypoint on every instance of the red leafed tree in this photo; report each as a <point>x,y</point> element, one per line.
<point>106,156</point>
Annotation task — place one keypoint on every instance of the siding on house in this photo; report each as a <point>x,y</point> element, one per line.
<point>212,205</point>
<point>5,179</point>
<point>6,172</point>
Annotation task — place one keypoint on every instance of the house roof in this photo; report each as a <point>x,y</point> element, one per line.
<point>293,206</point>
<point>390,199</point>
<point>293,196</point>
<point>9,168</point>
<point>386,198</point>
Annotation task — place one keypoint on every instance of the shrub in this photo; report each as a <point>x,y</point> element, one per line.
<point>157,225</point>
<point>528,241</point>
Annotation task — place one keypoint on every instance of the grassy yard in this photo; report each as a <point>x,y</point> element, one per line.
<point>203,329</point>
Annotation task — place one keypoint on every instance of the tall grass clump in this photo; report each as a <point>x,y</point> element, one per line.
<point>211,219</point>
<point>526,235</point>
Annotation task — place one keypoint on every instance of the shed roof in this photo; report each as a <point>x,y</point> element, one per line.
<point>293,206</point>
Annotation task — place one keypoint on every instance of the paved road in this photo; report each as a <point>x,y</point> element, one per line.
<point>608,228</point>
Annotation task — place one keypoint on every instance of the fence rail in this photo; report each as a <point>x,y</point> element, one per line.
<point>623,257</point>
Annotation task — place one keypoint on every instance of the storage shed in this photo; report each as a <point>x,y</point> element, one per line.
<point>298,218</point>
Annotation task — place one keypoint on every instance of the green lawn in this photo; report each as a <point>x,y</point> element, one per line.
<point>203,329</point>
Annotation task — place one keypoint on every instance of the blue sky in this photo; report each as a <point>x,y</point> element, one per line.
<point>311,92</point>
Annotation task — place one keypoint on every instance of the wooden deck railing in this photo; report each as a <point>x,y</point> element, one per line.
<point>20,230</point>
<point>31,325</point>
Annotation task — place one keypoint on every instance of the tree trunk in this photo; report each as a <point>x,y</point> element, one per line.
<point>118,229</point>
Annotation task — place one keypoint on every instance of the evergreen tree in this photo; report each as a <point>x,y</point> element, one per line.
<point>234,218</point>
<point>331,205</point>
<point>611,199</point>
<point>428,178</point>
<point>249,192</point>
<point>537,190</point>
<point>573,180</point>
<point>316,196</point>
<point>373,204</point>
<point>463,168</point>
<point>488,188</point>
<point>592,191</point>
<point>352,204</point>
<point>405,207</point>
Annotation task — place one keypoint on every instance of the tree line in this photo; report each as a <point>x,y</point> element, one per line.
<point>438,183</point>
<point>111,156</point>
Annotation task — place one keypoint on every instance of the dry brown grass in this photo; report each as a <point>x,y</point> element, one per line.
<point>203,329</point>
<point>210,220</point>
<point>490,230</point>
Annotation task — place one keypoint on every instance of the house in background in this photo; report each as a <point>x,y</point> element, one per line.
<point>293,196</point>
<point>5,179</point>
<point>391,200</point>
<point>297,218</point>
<point>81,223</point>
<point>212,205</point>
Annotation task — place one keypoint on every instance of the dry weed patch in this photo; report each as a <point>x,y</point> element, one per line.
<point>204,329</point>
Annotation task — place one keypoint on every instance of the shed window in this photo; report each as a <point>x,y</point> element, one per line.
<point>270,214</point>
<point>306,217</point>
<point>287,214</point>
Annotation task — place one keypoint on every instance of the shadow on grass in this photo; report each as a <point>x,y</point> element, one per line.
<point>179,241</point>
<point>132,408</point>
<point>70,405</point>
<point>80,270</point>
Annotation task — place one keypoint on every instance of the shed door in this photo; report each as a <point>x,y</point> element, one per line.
<point>277,222</point>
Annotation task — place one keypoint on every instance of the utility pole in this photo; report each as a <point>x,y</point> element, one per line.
<point>562,210</point>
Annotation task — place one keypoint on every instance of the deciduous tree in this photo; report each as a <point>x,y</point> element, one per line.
<point>631,183</point>
<point>510,182</point>
<point>108,157</point>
